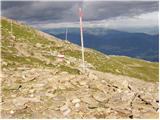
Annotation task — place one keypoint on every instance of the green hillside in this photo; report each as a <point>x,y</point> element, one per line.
<point>30,47</point>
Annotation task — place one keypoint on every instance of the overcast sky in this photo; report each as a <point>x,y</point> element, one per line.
<point>128,15</point>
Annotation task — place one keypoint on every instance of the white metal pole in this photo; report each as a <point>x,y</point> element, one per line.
<point>11,28</point>
<point>81,30</point>
<point>66,33</point>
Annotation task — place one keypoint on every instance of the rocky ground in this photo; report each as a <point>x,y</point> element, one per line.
<point>43,93</point>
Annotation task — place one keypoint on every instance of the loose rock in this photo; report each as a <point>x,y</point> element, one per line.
<point>99,96</point>
<point>65,110</point>
<point>76,100</point>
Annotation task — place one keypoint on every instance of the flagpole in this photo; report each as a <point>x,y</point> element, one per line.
<point>66,33</point>
<point>11,27</point>
<point>81,30</point>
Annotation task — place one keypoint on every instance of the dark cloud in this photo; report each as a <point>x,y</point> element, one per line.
<point>106,10</point>
<point>34,11</point>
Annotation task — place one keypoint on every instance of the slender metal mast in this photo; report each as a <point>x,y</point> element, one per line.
<point>11,28</point>
<point>81,30</point>
<point>66,34</point>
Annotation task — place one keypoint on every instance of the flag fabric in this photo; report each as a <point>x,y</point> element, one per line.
<point>60,57</point>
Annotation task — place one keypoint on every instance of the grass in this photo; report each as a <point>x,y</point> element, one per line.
<point>22,60</point>
<point>114,64</point>
<point>24,33</point>
<point>52,58</point>
<point>7,47</point>
<point>120,65</point>
<point>69,69</point>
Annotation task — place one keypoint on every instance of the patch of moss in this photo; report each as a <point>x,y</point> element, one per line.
<point>120,65</point>
<point>52,58</point>
<point>69,69</point>
<point>23,33</point>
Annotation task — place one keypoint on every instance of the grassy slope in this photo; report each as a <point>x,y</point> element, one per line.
<point>115,64</point>
<point>29,36</point>
<point>121,65</point>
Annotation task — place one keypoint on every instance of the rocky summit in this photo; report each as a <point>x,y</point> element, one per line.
<point>35,84</point>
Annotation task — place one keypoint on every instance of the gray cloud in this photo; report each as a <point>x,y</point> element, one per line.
<point>34,11</point>
<point>37,11</point>
<point>106,10</point>
<point>50,14</point>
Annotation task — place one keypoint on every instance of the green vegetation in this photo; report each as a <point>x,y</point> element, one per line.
<point>8,47</point>
<point>15,61</point>
<point>69,69</point>
<point>114,64</point>
<point>23,33</point>
<point>120,65</point>
<point>52,58</point>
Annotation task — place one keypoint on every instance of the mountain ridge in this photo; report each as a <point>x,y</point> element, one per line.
<point>100,29</point>
<point>138,45</point>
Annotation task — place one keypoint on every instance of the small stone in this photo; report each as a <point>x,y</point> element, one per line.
<point>82,83</point>
<point>68,62</point>
<point>38,45</point>
<point>92,103</point>
<point>147,97</point>
<point>12,112</point>
<point>31,95</point>
<point>23,76</point>
<point>65,110</point>
<point>108,110</point>
<point>31,90</point>
<point>19,101</point>
<point>14,95</point>
<point>155,105</point>
<point>158,110</point>
<point>76,100</point>
<point>4,63</point>
<point>127,96</point>
<point>49,95</point>
<point>92,76</point>
<point>36,99</point>
<point>39,85</point>
<point>150,115</point>
<point>103,81</point>
<point>59,98</point>
<point>117,71</point>
<point>99,96</point>
<point>119,90</point>
<point>136,113</point>
<point>13,37</point>
<point>77,105</point>
<point>125,84</point>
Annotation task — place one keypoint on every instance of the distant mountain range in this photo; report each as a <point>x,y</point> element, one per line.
<point>114,42</point>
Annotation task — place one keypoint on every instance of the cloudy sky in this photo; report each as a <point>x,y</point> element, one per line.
<point>123,15</point>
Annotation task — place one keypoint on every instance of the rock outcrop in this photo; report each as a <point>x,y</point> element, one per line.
<point>46,94</point>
